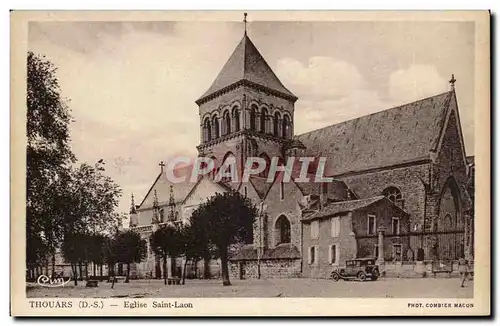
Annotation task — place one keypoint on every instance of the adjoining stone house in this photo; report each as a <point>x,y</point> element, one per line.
<point>353,229</point>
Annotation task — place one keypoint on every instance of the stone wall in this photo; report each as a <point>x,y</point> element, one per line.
<point>346,242</point>
<point>275,268</point>
<point>408,179</point>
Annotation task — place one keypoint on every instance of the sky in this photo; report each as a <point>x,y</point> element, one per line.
<point>131,86</point>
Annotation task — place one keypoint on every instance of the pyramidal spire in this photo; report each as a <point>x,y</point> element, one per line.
<point>246,65</point>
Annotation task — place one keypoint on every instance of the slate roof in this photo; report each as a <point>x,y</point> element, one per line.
<point>345,207</point>
<point>399,135</point>
<point>246,63</point>
<point>283,251</point>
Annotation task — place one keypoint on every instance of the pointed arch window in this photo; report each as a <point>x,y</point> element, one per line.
<point>236,118</point>
<point>276,123</point>
<point>394,195</point>
<point>283,229</point>
<point>263,118</point>
<point>227,123</point>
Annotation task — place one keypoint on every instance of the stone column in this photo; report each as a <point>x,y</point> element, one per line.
<point>380,245</point>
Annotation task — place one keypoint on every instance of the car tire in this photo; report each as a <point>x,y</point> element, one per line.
<point>335,276</point>
<point>374,278</point>
<point>362,276</point>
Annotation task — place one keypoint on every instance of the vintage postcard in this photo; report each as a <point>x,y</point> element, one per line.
<point>250,163</point>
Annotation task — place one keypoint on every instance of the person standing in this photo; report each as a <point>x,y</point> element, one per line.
<point>462,270</point>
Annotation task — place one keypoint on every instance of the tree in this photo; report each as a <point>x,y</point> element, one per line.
<point>48,157</point>
<point>96,251</point>
<point>75,249</point>
<point>130,248</point>
<point>225,219</point>
<point>166,242</point>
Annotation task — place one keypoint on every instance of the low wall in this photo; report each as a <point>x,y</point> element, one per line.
<point>419,269</point>
<point>269,268</point>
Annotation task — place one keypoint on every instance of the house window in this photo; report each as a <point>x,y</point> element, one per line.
<point>335,227</point>
<point>334,254</point>
<point>395,225</point>
<point>314,229</point>
<point>371,228</point>
<point>282,190</point>
<point>312,255</point>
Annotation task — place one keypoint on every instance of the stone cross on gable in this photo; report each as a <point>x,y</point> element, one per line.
<point>452,81</point>
<point>162,165</point>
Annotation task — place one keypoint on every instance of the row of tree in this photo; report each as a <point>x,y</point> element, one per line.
<point>66,202</point>
<point>222,221</point>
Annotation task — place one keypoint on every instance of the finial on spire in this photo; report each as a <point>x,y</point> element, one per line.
<point>245,21</point>
<point>162,165</point>
<point>452,81</point>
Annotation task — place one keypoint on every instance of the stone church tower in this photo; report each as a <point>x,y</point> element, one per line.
<point>246,111</point>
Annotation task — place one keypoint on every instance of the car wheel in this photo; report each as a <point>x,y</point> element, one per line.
<point>374,278</point>
<point>335,276</point>
<point>362,276</point>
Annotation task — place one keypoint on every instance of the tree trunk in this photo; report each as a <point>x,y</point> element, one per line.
<point>80,269</point>
<point>184,272</point>
<point>224,267</point>
<point>53,265</point>
<point>206,268</point>
<point>87,271</point>
<point>165,270</point>
<point>73,269</point>
<point>127,279</point>
<point>100,266</point>
<point>94,268</point>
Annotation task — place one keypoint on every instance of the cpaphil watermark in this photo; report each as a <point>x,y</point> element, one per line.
<point>300,169</point>
<point>52,282</point>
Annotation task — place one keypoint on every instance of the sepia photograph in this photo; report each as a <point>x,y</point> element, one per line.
<point>173,158</point>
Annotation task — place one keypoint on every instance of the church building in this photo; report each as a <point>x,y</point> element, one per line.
<point>399,191</point>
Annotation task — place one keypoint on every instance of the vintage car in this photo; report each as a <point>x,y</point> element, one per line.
<point>359,268</point>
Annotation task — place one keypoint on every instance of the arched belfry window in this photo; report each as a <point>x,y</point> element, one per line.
<point>283,230</point>
<point>263,118</point>
<point>236,119</point>
<point>227,123</point>
<point>276,123</point>
<point>253,118</point>
<point>394,195</point>
<point>207,130</point>
<point>215,127</point>
<point>286,127</point>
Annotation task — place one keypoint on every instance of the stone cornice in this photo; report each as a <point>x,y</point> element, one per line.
<point>248,83</point>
